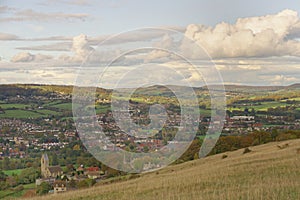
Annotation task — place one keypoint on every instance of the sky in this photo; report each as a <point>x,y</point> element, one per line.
<point>249,42</point>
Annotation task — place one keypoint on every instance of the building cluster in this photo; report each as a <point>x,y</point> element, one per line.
<point>59,180</point>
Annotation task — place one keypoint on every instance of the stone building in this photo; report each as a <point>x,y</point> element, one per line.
<point>59,186</point>
<point>49,171</point>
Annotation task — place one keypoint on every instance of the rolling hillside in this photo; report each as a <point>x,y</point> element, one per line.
<point>270,171</point>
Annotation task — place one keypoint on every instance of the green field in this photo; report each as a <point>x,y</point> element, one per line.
<point>14,105</point>
<point>20,114</point>
<point>48,112</point>
<point>263,107</point>
<point>25,114</point>
<point>295,99</point>
<point>52,103</point>
<point>63,106</point>
<point>9,194</point>
<point>102,108</point>
<point>11,172</point>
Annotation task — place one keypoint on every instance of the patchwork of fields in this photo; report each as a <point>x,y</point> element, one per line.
<point>33,111</point>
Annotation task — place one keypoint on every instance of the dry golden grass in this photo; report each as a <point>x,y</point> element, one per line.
<point>265,173</point>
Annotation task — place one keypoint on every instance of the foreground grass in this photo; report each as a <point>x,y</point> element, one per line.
<point>267,172</point>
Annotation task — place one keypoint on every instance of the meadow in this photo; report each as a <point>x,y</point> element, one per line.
<point>14,193</point>
<point>263,106</point>
<point>267,172</point>
<point>13,172</point>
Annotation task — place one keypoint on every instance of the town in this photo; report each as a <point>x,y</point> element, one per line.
<point>43,137</point>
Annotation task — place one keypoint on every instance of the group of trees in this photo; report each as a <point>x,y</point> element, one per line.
<point>230,143</point>
<point>28,175</point>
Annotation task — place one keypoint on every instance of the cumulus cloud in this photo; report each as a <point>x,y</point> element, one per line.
<point>28,57</point>
<point>80,48</point>
<point>23,57</point>
<point>249,37</point>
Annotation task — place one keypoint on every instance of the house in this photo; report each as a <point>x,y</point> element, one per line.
<point>49,171</point>
<point>92,174</point>
<point>59,186</point>
<point>93,169</point>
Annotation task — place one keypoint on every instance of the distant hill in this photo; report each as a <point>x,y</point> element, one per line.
<point>294,86</point>
<point>269,171</point>
<point>152,90</point>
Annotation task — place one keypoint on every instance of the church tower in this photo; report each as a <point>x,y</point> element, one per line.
<point>44,165</point>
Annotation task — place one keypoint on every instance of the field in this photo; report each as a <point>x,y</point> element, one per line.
<point>21,106</point>
<point>267,172</point>
<point>262,107</point>
<point>20,114</point>
<point>11,194</point>
<point>24,111</point>
<point>11,172</point>
<point>55,108</point>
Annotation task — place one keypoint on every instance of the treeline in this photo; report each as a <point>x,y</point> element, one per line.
<point>13,91</point>
<point>231,143</point>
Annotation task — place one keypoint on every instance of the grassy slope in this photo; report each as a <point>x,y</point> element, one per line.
<point>265,173</point>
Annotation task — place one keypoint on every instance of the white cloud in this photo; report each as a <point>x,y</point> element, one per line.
<point>7,36</point>
<point>249,37</point>
<point>80,48</point>
<point>61,46</point>
<point>28,57</point>
<point>31,15</point>
<point>280,79</point>
<point>23,57</point>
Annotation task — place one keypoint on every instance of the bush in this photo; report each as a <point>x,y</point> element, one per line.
<point>224,156</point>
<point>86,183</point>
<point>43,188</point>
<point>246,150</point>
<point>19,188</point>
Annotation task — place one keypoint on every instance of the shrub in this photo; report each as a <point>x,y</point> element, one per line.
<point>246,150</point>
<point>19,188</point>
<point>224,156</point>
<point>43,188</point>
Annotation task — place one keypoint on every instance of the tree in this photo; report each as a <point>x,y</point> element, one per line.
<point>252,112</point>
<point>6,164</point>
<point>82,184</point>
<point>43,188</point>
<point>246,111</point>
<point>2,176</point>
<point>54,159</point>
<point>72,184</point>
<point>28,175</point>
<point>145,149</point>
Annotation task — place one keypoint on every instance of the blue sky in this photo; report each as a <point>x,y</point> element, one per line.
<point>24,23</point>
<point>107,17</point>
